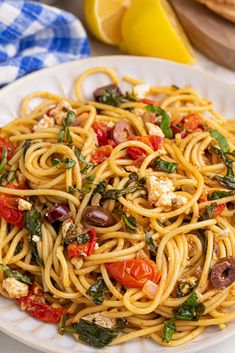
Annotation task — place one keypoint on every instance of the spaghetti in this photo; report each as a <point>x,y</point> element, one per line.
<point>117,215</point>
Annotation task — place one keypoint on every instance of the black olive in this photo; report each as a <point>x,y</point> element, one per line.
<point>98,216</point>
<point>223,272</point>
<point>100,91</point>
<point>121,131</point>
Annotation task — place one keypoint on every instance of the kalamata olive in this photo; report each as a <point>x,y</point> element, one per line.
<point>121,131</point>
<point>223,272</point>
<point>100,91</point>
<point>58,213</point>
<point>98,216</point>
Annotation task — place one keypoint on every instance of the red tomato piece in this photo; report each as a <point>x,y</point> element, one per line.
<point>101,154</point>
<point>134,273</point>
<point>112,143</point>
<point>192,122</point>
<point>219,209</point>
<point>102,132</point>
<point>41,311</point>
<point>150,101</point>
<point>76,250</point>
<point>137,153</point>
<point>9,207</point>
<point>6,144</point>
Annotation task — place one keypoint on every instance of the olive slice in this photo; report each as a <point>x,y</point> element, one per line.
<point>100,91</point>
<point>121,131</point>
<point>223,272</point>
<point>98,216</point>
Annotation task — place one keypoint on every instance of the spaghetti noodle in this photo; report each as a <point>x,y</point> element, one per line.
<point>117,215</point>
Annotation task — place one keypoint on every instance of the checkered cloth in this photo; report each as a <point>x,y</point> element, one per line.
<point>34,36</point>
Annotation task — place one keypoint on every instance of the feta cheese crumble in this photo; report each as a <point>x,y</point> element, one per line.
<point>100,320</point>
<point>24,205</point>
<point>154,129</point>
<point>141,90</point>
<point>14,288</point>
<point>161,192</point>
<point>44,123</point>
<point>35,238</point>
<point>59,113</point>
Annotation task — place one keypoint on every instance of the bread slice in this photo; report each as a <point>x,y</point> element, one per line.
<point>225,8</point>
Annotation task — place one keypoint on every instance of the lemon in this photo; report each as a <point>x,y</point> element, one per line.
<point>151,28</point>
<point>104,18</point>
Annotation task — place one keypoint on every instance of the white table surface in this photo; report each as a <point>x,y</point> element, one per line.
<point>8,344</point>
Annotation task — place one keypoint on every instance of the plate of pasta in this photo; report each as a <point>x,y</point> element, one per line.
<point>117,207</point>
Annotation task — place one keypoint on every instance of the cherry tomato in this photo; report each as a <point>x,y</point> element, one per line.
<point>102,132</point>
<point>192,122</point>
<point>41,311</point>
<point>9,207</point>
<point>134,273</point>
<point>150,101</point>
<point>219,209</point>
<point>6,144</point>
<point>137,153</point>
<point>76,250</point>
<point>101,154</point>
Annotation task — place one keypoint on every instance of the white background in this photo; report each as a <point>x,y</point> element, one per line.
<point>9,345</point>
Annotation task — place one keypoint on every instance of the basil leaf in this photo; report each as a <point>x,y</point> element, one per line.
<point>97,291</point>
<point>191,309</point>
<point>216,195</point>
<point>7,178</point>
<point>70,162</point>
<point>227,161</point>
<point>85,189</point>
<point>100,188</point>
<point>151,246</point>
<point>113,96</point>
<point>185,286</point>
<point>201,235</point>
<point>15,274</point>
<point>166,119</point>
<point>209,211</point>
<point>222,141</point>
<point>130,222</point>
<point>82,159</point>
<point>70,118</point>
<point>169,329</point>
<point>121,323</point>
<point>82,238</point>
<point>32,222</point>
<point>27,144</point>
<point>61,327</point>
<point>3,162</point>
<point>95,335</point>
<point>114,194</point>
<point>91,178</point>
<point>133,177</point>
<point>161,164</point>
<point>225,181</point>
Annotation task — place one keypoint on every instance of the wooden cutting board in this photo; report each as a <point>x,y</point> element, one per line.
<point>209,33</point>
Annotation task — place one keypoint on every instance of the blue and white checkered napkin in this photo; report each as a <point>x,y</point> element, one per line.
<point>34,36</point>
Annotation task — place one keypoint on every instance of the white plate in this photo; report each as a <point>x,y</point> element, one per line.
<point>60,80</point>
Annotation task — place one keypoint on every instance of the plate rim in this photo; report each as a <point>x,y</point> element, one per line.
<point>24,337</point>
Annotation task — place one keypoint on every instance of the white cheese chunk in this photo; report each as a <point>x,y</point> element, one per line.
<point>101,320</point>
<point>59,113</point>
<point>154,129</point>
<point>141,90</point>
<point>14,288</point>
<point>35,238</point>
<point>24,205</point>
<point>44,123</point>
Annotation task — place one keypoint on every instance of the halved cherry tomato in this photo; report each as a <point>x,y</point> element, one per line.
<point>9,207</point>
<point>102,132</point>
<point>192,122</point>
<point>101,154</point>
<point>134,273</point>
<point>219,209</point>
<point>34,304</point>
<point>6,144</point>
<point>150,101</point>
<point>76,250</point>
<point>137,153</point>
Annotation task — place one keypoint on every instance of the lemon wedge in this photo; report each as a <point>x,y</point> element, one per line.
<point>150,28</point>
<point>104,18</point>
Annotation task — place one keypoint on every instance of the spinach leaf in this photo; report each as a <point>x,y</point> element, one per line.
<point>95,335</point>
<point>129,221</point>
<point>191,309</point>
<point>82,238</point>
<point>151,246</point>
<point>222,141</point>
<point>15,274</point>
<point>97,291</point>
<point>161,164</point>
<point>81,158</point>
<point>32,222</point>
<point>166,119</point>
<point>209,211</point>
<point>57,161</point>
<point>3,162</point>
<point>169,329</point>
<point>216,195</point>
